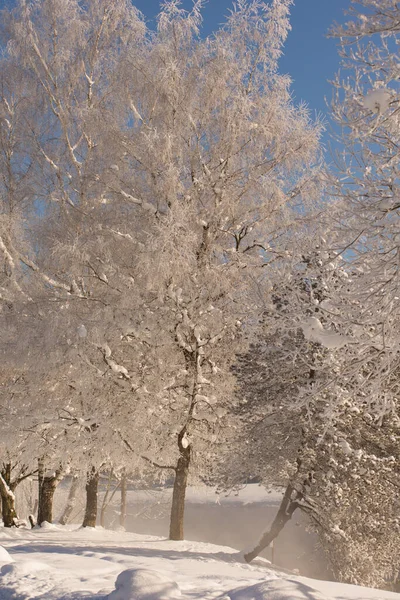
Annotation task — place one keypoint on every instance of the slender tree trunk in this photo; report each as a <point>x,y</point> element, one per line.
<point>92,485</point>
<point>71,501</point>
<point>47,488</point>
<point>7,497</point>
<point>122,514</point>
<point>284,514</point>
<point>108,497</point>
<point>179,492</point>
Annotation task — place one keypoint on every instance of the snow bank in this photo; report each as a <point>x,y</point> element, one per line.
<point>25,567</point>
<point>46,525</point>
<point>5,557</point>
<point>69,564</point>
<point>144,584</point>
<point>276,589</point>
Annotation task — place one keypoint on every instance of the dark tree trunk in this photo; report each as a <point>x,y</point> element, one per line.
<point>7,497</point>
<point>122,514</point>
<point>8,510</point>
<point>284,514</point>
<point>46,496</point>
<point>92,485</point>
<point>47,488</point>
<point>69,507</point>
<point>179,492</point>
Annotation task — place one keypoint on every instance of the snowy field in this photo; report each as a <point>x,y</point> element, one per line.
<point>234,520</point>
<point>70,563</point>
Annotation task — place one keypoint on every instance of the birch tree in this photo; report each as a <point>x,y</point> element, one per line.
<point>333,460</point>
<point>224,162</point>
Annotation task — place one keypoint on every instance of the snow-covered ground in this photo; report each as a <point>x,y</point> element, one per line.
<point>69,563</point>
<point>234,520</point>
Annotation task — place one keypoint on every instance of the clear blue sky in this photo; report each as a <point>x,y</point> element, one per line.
<point>310,58</point>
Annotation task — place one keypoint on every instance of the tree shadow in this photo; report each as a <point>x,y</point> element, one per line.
<point>168,554</point>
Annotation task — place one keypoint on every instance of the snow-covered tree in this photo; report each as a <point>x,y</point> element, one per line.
<point>351,407</point>
<point>225,162</point>
<point>175,178</point>
<point>366,107</point>
<point>299,432</point>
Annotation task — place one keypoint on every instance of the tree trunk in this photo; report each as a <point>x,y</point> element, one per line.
<point>106,499</point>
<point>7,497</point>
<point>284,514</point>
<point>8,509</point>
<point>71,501</point>
<point>92,485</point>
<point>122,514</point>
<point>47,488</point>
<point>178,496</point>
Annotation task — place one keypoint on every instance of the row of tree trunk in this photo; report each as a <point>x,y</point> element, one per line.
<point>47,485</point>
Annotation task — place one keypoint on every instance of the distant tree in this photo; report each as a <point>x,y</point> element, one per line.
<point>16,462</point>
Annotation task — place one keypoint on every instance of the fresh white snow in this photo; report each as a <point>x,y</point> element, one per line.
<point>72,563</point>
<point>144,584</point>
<point>5,557</point>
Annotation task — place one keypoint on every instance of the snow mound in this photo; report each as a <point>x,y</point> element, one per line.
<point>47,525</point>
<point>5,558</point>
<point>26,579</point>
<point>25,567</point>
<point>276,589</point>
<point>144,584</point>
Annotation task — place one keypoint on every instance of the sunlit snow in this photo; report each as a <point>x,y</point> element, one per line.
<point>72,563</point>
